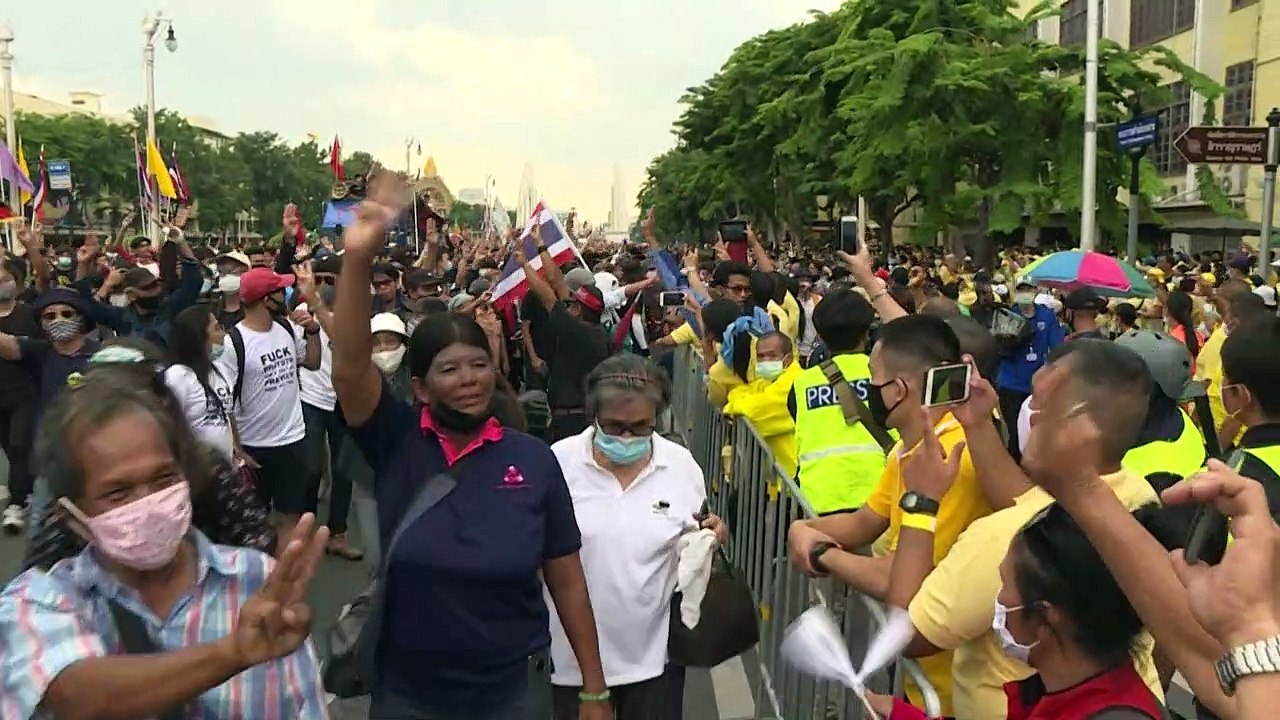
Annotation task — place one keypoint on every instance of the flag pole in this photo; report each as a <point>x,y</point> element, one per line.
<point>417,244</point>
<point>142,201</point>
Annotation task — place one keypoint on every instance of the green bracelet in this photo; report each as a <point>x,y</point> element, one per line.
<point>594,697</point>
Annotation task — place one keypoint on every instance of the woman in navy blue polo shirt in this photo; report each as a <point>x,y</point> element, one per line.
<point>466,631</point>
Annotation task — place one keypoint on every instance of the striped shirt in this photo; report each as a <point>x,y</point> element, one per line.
<point>50,620</point>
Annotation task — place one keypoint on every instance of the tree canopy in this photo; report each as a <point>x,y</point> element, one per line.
<point>950,106</point>
<point>256,171</point>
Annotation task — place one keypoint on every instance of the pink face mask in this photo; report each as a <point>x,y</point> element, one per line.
<point>144,534</point>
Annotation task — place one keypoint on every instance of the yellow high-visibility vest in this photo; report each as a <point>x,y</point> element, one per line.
<point>839,464</point>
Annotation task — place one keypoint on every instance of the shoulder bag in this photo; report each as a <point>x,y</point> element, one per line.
<point>351,668</point>
<point>855,411</point>
<point>136,641</point>
<point>729,624</point>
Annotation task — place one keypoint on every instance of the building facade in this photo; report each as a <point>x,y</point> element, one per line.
<point>1234,42</point>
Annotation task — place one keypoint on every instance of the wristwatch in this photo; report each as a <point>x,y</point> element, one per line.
<point>917,504</point>
<point>815,556</point>
<point>1255,658</point>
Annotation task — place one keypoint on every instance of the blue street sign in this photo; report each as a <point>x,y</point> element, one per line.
<point>1137,133</point>
<point>59,174</point>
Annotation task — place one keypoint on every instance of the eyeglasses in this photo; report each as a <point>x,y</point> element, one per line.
<point>53,315</point>
<point>612,427</point>
<point>327,279</point>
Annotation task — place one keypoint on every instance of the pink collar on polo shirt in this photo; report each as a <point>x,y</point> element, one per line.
<point>491,431</point>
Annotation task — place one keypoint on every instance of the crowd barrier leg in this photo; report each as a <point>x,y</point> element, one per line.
<point>758,501</point>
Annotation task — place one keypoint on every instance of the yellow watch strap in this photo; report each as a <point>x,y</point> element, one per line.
<point>920,521</point>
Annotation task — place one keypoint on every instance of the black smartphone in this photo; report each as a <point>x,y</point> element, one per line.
<point>1207,539</point>
<point>733,231</point>
<point>849,234</point>
<point>671,298</point>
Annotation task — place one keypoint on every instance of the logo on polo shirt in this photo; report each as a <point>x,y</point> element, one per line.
<point>661,507</point>
<point>513,479</point>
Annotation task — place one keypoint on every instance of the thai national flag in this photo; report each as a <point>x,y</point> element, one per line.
<point>512,286</point>
<point>42,190</point>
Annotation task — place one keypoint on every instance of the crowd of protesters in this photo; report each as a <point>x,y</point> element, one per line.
<point>177,418</point>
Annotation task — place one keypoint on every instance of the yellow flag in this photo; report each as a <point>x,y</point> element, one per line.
<point>157,169</point>
<point>429,169</point>
<point>24,197</point>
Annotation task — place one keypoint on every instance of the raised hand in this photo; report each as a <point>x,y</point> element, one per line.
<point>981,405</point>
<point>290,221</point>
<point>928,469</point>
<point>305,279</point>
<point>275,620</point>
<point>388,196</point>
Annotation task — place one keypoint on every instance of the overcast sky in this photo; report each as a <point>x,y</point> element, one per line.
<point>569,86</point>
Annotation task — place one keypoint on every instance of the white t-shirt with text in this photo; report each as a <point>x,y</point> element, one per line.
<point>317,385</point>
<point>269,413</point>
<point>207,415</point>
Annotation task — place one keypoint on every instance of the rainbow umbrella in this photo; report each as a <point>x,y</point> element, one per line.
<point>1074,269</point>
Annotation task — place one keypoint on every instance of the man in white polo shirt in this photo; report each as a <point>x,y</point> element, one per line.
<point>263,353</point>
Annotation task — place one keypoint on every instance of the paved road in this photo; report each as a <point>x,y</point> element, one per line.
<point>338,581</point>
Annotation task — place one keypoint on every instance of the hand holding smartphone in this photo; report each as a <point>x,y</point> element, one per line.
<point>947,385</point>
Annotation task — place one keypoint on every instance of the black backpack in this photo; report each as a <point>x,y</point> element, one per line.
<point>237,343</point>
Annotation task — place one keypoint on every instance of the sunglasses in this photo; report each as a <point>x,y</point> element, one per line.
<point>327,279</point>
<point>59,315</point>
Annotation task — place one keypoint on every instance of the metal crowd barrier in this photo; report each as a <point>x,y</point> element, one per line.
<point>747,488</point>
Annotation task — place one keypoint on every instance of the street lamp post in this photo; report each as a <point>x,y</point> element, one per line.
<point>10,131</point>
<point>1089,190</point>
<point>150,26</point>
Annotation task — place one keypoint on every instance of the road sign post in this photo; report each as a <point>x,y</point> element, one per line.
<point>1134,137</point>
<point>1269,191</point>
<point>1203,145</point>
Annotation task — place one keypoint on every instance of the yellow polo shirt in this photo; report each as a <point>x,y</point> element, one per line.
<point>954,607</point>
<point>963,503</point>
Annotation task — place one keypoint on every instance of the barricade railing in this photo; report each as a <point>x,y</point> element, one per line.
<point>758,500</point>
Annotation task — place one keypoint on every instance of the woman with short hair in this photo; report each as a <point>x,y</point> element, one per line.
<point>465,631</point>
<point>635,493</point>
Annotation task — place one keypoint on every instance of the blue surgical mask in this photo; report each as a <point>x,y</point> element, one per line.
<point>215,352</point>
<point>206,286</point>
<point>769,369</point>
<point>622,450</point>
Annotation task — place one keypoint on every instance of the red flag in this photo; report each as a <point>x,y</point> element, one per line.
<point>335,160</point>
<point>7,215</point>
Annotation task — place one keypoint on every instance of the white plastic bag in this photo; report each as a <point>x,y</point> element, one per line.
<point>814,646</point>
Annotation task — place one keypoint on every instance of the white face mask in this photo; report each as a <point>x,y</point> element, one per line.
<point>1024,298</point>
<point>119,300</point>
<point>1008,645</point>
<point>229,284</point>
<point>388,361</point>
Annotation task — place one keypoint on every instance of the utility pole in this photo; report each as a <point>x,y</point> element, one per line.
<point>1269,191</point>
<point>1089,191</point>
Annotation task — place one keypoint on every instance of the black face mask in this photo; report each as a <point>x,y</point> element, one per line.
<point>150,304</point>
<point>875,403</point>
<point>456,421</point>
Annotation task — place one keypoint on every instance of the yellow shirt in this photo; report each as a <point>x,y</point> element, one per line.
<point>963,503</point>
<point>764,405</point>
<point>684,335</point>
<point>721,380</point>
<point>954,607</point>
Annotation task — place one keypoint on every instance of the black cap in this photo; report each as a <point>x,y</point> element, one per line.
<point>1083,299</point>
<point>139,278</point>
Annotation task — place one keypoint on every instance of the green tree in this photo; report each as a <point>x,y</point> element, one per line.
<point>948,105</point>
<point>468,215</point>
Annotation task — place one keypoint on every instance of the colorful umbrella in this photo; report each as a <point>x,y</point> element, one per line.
<point>1073,269</point>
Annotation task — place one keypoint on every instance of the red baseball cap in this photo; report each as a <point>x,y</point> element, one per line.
<point>587,296</point>
<point>261,282</point>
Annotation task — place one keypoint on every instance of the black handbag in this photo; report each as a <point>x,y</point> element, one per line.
<point>728,627</point>
<point>351,669</point>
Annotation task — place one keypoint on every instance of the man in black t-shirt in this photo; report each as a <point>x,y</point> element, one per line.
<point>579,340</point>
